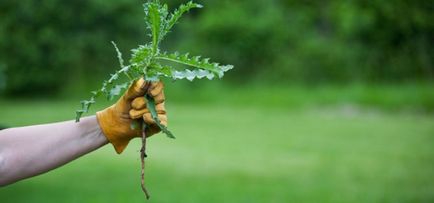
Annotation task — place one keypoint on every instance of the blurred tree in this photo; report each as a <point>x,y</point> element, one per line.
<point>2,77</point>
<point>49,42</point>
<point>317,41</point>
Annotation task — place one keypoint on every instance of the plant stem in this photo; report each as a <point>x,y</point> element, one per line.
<point>142,158</point>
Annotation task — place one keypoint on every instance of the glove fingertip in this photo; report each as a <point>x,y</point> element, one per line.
<point>138,103</point>
<point>156,89</point>
<point>120,148</point>
<point>148,119</point>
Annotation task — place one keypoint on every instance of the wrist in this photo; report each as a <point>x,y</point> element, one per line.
<point>92,133</point>
<point>116,130</point>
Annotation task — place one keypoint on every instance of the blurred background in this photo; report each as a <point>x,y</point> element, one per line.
<point>329,101</point>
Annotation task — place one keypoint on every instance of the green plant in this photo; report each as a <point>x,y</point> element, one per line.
<point>147,61</point>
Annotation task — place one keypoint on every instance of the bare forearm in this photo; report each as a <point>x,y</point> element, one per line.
<point>32,150</point>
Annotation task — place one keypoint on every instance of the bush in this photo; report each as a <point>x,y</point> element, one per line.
<point>46,44</point>
<point>317,41</point>
<point>49,43</point>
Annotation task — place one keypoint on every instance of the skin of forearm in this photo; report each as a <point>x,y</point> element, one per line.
<point>32,150</point>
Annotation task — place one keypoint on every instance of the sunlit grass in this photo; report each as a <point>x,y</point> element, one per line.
<point>230,153</point>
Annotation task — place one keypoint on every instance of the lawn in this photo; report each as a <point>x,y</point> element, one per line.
<point>231,153</point>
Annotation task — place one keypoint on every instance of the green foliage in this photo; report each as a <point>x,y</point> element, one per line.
<point>51,44</point>
<point>338,41</point>
<point>2,77</point>
<point>275,41</point>
<point>145,60</point>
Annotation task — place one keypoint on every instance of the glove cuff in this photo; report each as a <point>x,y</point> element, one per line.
<point>106,123</point>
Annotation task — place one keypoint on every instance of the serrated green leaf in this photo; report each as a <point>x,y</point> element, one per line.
<point>152,109</point>
<point>183,8</point>
<point>166,71</point>
<point>156,15</point>
<point>154,22</point>
<point>121,60</point>
<point>117,90</point>
<point>85,105</point>
<point>78,115</point>
<point>191,75</point>
<point>196,62</point>
<point>141,55</point>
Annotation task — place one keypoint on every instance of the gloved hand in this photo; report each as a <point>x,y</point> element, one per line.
<point>116,121</point>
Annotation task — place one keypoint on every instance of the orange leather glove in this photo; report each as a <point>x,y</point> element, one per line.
<point>116,121</point>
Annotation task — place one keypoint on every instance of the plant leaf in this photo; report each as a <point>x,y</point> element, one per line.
<point>117,90</point>
<point>153,21</point>
<point>121,60</point>
<point>174,17</point>
<point>196,62</point>
<point>152,109</point>
<point>85,105</point>
<point>191,75</point>
<point>156,15</point>
<point>141,58</point>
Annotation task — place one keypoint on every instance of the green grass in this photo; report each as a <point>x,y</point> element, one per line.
<point>413,97</point>
<point>231,153</point>
<point>398,97</point>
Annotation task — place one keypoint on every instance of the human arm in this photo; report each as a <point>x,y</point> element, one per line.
<point>32,150</point>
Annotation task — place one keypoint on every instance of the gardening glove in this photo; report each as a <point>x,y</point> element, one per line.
<point>117,120</point>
